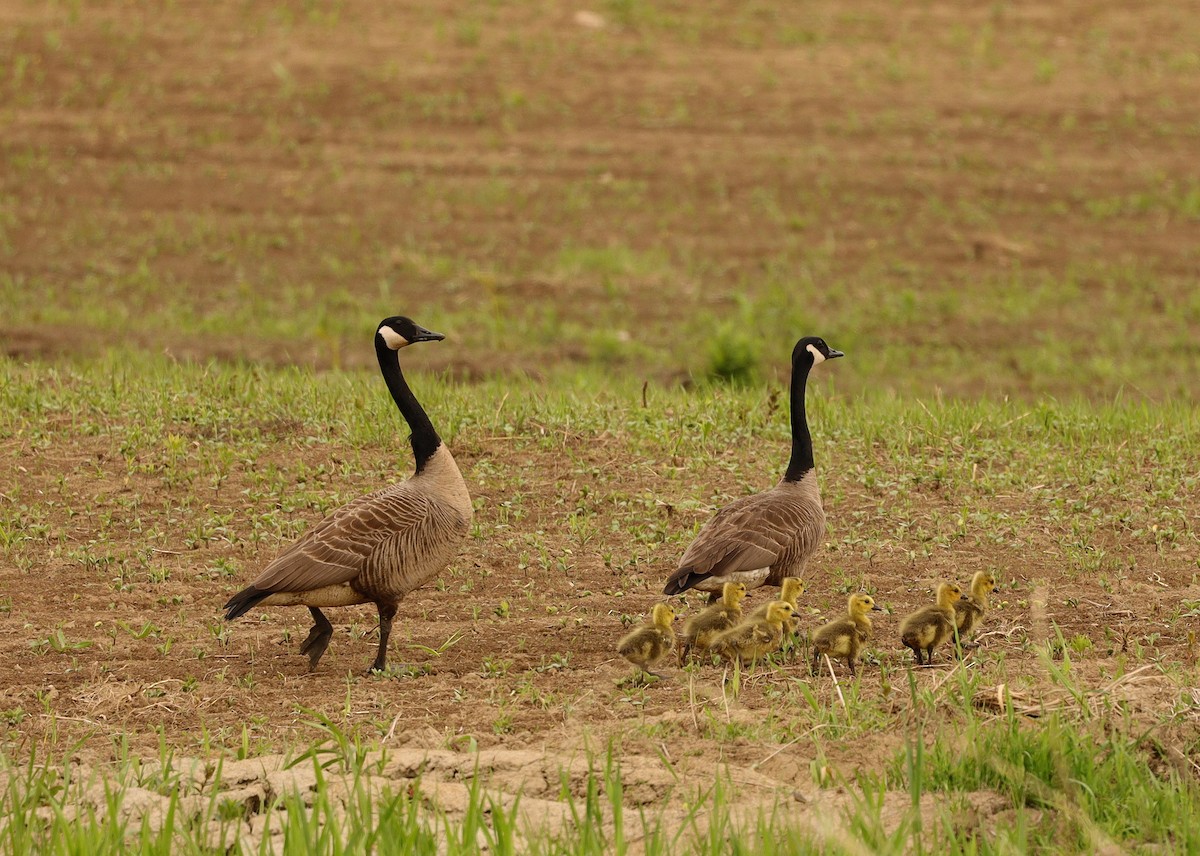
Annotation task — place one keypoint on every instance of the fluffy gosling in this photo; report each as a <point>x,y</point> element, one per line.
<point>845,636</point>
<point>969,611</point>
<point>930,626</point>
<point>754,638</point>
<point>646,645</point>
<point>701,629</point>
<point>789,592</point>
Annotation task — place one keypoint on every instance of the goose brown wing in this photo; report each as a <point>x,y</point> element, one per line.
<point>336,549</point>
<point>754,532</point>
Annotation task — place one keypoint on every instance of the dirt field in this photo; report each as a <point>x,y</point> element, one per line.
<point>983,200</point>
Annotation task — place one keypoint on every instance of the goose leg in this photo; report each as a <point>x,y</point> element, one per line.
<point>387,612</point>
<point>318,638</point>
<point>853,668</point>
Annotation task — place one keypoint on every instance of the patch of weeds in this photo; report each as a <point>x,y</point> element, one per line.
<point>495,667</point>
<point>732,358</point>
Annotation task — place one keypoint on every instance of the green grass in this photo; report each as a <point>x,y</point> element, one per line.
<point>1074,780</point>
<point>908,477</point>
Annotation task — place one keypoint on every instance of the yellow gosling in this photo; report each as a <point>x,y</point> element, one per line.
<point>753,639</point>
<point>789,592</point>
<point>969,611</point>
<point>702,628</point>
<point>647,644</point>
<point>930,626</point>
<point>845,636</point>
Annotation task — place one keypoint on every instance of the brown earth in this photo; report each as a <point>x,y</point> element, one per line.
<point>535,668</point>
<point>192,117</point>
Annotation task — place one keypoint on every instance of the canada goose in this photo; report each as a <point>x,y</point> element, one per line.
<point>379,547</point>
<point>844,637</point>
<point>644,646</point>
<point>760,539</point>
<point>756,638</point>
<point>930,626</point>
<point>969,611</point>
<point>789,592</point>
<point>700,630</point>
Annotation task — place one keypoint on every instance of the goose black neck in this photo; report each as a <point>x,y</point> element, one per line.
<point>802,450</point>
<point>424,439</point>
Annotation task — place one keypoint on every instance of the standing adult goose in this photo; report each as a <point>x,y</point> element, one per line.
<point>760,539</point>
<point>379,547</point>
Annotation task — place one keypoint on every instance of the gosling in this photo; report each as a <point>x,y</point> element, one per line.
<point>845,636</point>
<point>755,638</point>
<point>646,645</point>
<point>930,626</point>
<point>789,592</point>
<point>701,629</point>
<point>969,611</point>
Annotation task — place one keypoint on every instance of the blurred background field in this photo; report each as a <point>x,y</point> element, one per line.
<point>993,199</point>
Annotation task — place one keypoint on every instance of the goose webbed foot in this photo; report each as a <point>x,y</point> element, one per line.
<point>318,638</point>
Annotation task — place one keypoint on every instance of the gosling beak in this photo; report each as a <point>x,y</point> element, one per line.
<point>834,354</point>
<point>423,335</point>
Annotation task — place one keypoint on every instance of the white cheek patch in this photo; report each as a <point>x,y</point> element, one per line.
<point>393,339</point>
<point>818,357</point>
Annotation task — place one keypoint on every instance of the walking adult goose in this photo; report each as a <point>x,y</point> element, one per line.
<point>760,539</point>
<point>379,547</point>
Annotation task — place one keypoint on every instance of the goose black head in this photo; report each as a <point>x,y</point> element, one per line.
<point>399,332</point>
<point>812,349</point>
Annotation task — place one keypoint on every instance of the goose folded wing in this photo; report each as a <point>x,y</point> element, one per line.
<point>745,539</point>
<point>336,549</point>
